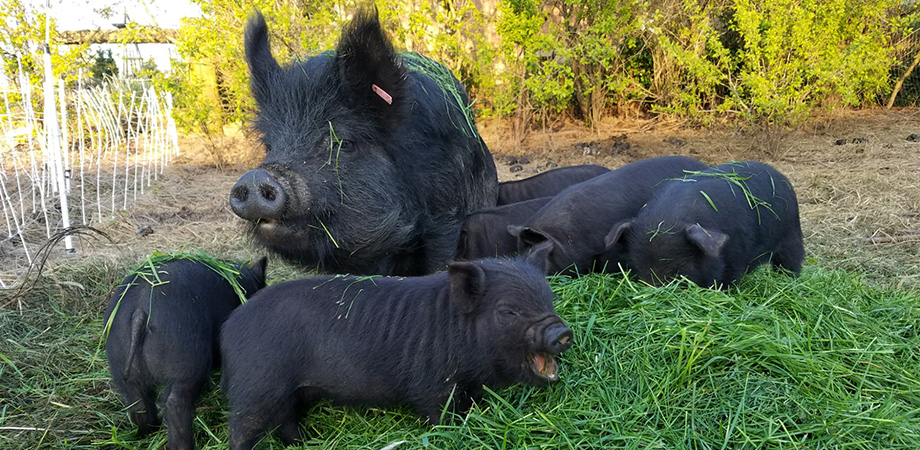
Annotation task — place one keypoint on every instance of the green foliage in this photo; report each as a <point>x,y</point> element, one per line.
<point>22,38</point>
<point>211,82</point>
<point>103,65</point>
<point>769,62</point>
<point>775,61</point>
<point>799,55</point>
<point>693,67</point>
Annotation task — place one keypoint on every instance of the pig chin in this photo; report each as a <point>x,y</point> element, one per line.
<point>270,231</point>
<point>275,235</point>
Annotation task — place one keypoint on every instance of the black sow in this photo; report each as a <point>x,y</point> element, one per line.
<point>574,223</point>
<point>420,341</point>
<point>546,184</point>
<point>372,157</point>
<point>166,334</point>
<point>713,226</point>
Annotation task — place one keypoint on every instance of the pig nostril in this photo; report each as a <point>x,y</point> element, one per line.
<point>268,192</point>
<point>562,341</point>
<point>241,193</point>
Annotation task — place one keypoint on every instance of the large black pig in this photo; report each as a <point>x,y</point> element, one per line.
<point>575,222</point>
<point>546,184</point>
<point>485,233</point>
<point>713,226</point>
<point>420,341</point>
<point>166,334</point>
<point>372,158</point>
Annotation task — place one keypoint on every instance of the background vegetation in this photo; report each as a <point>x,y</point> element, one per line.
<point>537,61</point>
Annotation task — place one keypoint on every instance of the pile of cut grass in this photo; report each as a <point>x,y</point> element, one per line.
<point>822,361</point>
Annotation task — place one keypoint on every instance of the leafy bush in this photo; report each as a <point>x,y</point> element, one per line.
<point>535,61</point>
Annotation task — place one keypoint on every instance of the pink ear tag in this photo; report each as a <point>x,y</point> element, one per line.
<point>383,94</point>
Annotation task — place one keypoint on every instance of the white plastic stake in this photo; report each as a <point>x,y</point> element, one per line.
<point>53,134</point>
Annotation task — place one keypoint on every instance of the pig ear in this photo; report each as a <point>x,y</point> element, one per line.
<point>709,241</point>
<point>615,236</point>
<point>262,64</point>
<point>539,255</point>
<point>372,75</point>
<point>514,230</point>
<point>258,270</point>
<point>462,244</point>
<point>467,284</point>
<point>527,237</point>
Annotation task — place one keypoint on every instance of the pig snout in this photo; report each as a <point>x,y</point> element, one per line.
<point>557,338</point>
<point>257,196</point>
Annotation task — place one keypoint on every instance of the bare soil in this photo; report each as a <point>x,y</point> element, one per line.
<point>859,200</point>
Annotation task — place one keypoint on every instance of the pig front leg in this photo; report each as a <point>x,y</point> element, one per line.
<point>457,402</point>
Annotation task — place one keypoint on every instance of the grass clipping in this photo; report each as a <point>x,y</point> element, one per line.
<point>734,180</point>
<point>149,273</point>
<point>449,86</point>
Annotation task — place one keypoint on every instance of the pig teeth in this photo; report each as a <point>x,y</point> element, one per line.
<point>545,365</point>
<point>550,368</point>
<point>539,362</point>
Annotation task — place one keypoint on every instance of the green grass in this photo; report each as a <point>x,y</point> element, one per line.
<point>822,361</point>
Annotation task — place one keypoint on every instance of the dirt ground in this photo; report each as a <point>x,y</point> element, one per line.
<point>859,198</point>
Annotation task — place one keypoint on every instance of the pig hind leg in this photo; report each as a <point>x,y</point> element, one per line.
<point>142,409</point>
<point>250,419</point>
<point>460,402</point>
<point>289,428</point>
<point>138,395</point>
<point>179,412</point>
<point>789,254</point>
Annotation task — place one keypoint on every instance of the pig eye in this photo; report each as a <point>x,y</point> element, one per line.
<point>506,315</point>
<point>344,145</point>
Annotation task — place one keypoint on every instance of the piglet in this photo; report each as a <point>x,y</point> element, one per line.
<point>163,331</point>
<point>574,223</point>
<point>546,184</point>
<point>422,341</point>
<point>713,226</point>
<point>485,232</point>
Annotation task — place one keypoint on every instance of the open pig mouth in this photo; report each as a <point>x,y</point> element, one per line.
<point>272,230</point>
<point>544,365</point>
<point>267,226</point>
